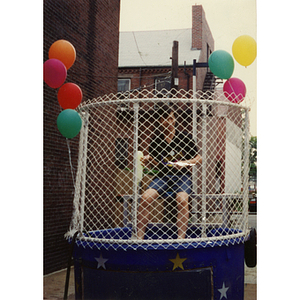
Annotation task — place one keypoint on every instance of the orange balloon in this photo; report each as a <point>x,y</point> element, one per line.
<point>63,51</point>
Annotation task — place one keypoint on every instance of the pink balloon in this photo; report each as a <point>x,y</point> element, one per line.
<point>234,90</point>
<point>55,73</point>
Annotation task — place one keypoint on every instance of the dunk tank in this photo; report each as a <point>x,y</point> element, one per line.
<point>208,263</point>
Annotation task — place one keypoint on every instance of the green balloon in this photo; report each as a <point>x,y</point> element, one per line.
<point>221,64</point>
<point>69,123</point>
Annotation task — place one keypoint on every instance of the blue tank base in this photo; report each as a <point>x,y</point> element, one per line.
<point>148,285</point>
<point>193,273</point>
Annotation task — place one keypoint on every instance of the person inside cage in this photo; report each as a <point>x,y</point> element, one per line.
<point>172,153</point>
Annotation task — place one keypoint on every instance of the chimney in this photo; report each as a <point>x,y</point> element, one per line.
<point>197,11</point>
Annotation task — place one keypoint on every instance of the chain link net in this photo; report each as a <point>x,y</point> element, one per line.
<point>201,204</point>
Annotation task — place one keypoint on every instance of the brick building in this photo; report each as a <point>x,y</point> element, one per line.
<point>144,56</point>
<point>93,28</point>
<point>145,63</point>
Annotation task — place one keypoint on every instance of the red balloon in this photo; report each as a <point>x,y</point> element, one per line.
<point>234,90</point>
<point>69,96</point>
<point>55,73</point>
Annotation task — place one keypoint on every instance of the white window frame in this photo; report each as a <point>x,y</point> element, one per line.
<point>125,80</point>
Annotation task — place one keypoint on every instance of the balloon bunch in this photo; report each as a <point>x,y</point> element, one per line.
<point>221,64</point>
<point>62,56</point>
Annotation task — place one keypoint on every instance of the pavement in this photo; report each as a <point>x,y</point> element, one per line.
<point>250,283</point>
<point>54,285</point>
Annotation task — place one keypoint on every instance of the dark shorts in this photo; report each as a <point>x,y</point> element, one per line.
<point>174,183</point>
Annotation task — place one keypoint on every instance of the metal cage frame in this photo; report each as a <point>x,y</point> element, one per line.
<point>232,226</point>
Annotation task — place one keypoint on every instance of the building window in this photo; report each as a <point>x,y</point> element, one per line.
<point>123,85</point>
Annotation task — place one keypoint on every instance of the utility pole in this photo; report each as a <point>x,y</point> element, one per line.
<point>174,70</point>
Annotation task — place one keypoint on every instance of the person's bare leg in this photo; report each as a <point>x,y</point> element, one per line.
<point>183,213</point>
<point>144,211</point>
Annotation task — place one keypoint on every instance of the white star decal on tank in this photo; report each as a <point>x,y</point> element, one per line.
<point>223,291</point>
<point>101,261</point>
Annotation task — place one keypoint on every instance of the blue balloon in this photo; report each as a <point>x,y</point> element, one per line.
<point>221,64</point>
<point>69,123</point>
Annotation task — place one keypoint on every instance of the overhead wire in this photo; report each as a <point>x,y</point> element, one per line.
<point>139,52</point>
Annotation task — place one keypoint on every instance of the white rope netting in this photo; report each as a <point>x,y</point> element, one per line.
<point>112,206</point>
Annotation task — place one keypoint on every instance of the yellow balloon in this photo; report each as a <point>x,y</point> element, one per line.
<point>244,50</point>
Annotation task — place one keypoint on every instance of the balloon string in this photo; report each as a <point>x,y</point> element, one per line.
<point>70,161</point>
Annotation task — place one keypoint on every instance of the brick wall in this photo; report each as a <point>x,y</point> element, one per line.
<point>145,77</point>
<point>201,34</point>
<point>93,28</point>
<point>202,39</point>
<point>197,27</point>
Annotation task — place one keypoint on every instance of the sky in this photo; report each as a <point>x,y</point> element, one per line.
<point>227,19</point>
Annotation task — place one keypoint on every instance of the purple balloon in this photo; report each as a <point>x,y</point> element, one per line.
<point>234,90</point>
<point>55,73</point>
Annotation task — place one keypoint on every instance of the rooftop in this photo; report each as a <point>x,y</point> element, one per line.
<point>154,48</point>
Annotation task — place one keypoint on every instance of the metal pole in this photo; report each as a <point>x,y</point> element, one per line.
<point>203,170</point>
<point>135,175</point>
<point>194,211</point>
<point>174,68</point>
<point>246,171</point>
<point>225,216</point>
<point>82,174</point>
<point>194,79</point>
